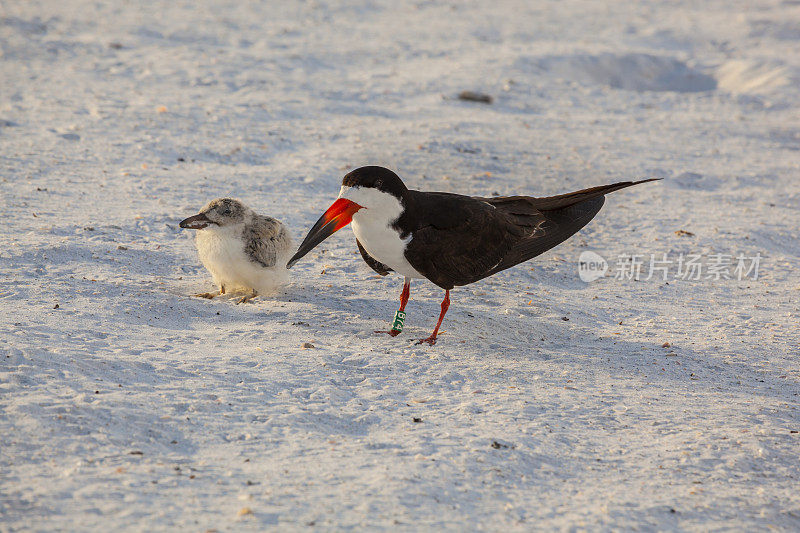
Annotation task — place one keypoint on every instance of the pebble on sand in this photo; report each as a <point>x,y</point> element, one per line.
<point>472,96</point>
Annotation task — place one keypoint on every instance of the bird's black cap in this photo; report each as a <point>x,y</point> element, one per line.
<point>374,177</point>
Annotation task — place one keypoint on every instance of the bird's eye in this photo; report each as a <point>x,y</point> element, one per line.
<point>378,183</point>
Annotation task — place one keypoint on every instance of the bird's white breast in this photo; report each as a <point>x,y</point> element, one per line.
<point>222,252</point>
<point>372,226</point>
<point>221,245</point>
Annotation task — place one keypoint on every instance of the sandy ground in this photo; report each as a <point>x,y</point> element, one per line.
<point>129,405</point>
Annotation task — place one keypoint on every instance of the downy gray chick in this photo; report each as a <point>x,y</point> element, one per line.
<point>243,251</point>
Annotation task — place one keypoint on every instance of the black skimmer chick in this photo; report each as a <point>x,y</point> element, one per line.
<point>448,239</point>
<point>243,251</point>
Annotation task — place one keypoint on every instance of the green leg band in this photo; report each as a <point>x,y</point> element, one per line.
<point>399,320</point>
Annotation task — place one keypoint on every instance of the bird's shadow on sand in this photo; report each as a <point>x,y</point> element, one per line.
<point>490,333</point>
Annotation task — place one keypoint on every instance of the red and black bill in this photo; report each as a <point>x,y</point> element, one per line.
<point>335,218</point>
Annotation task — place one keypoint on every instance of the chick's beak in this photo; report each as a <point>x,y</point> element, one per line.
<point>335,218</point>
<point>196,222</point>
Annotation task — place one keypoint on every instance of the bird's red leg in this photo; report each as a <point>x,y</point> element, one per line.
<point>400,315</point>
<point>445,304</point>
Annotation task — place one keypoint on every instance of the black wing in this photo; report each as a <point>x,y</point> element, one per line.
<point>456,239</point>
<point>459,239</point>
<point>373,263</point>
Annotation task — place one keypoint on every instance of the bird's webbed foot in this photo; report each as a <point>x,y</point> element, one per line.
<point>430,340</point>
<point>207,295</point>
<point>392,332</point>
<point>247,298</point>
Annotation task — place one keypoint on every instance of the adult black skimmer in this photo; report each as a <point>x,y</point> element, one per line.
<point>448,239</point>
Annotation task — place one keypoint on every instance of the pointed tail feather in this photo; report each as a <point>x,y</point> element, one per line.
<point>572,198</point>
<point>527,204</point>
